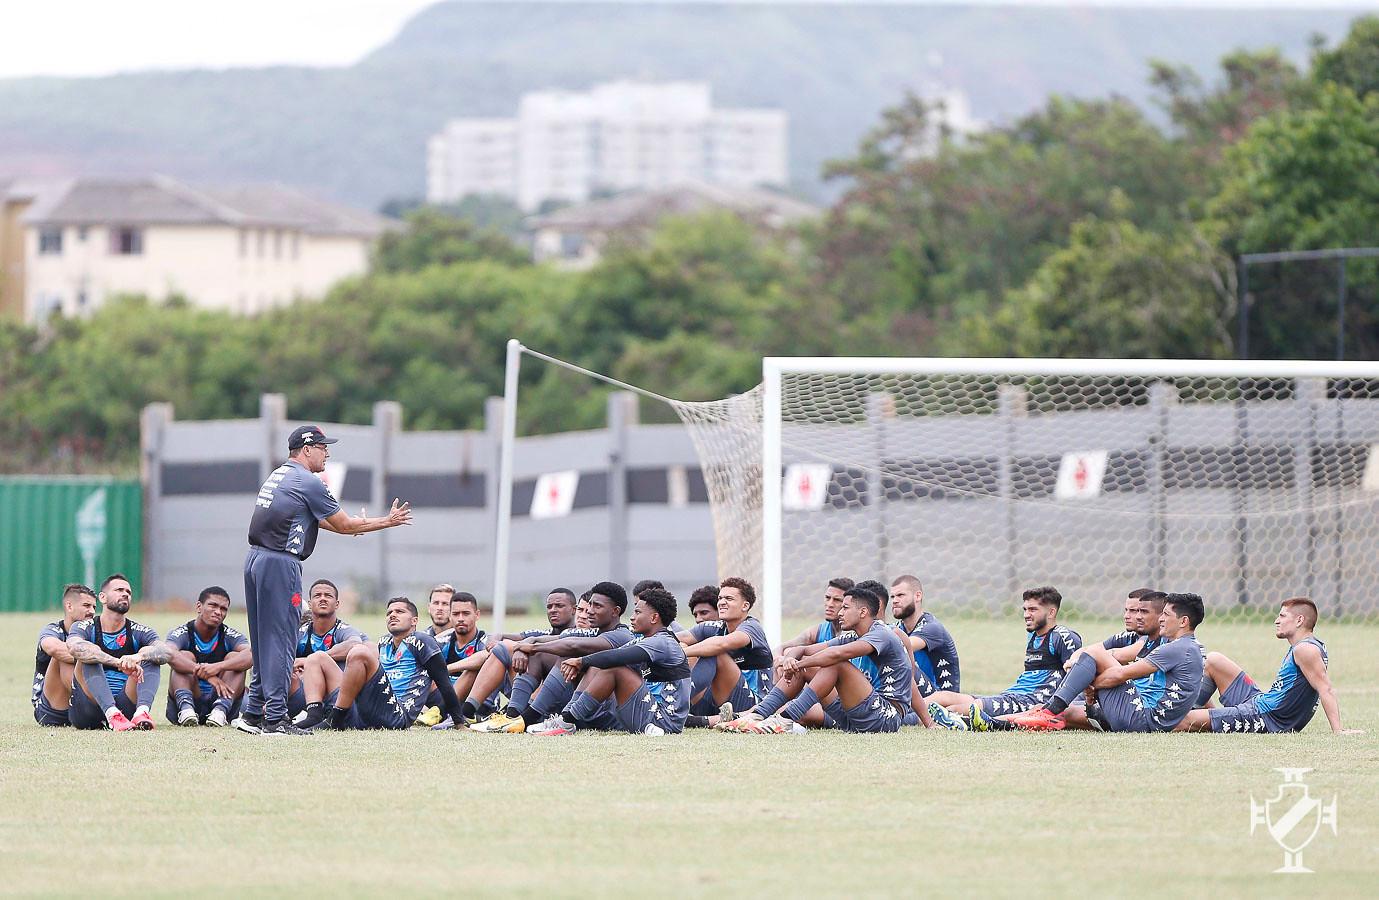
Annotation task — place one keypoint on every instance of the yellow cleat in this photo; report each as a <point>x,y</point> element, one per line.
<point>500,723</point>
<point>431,715</point>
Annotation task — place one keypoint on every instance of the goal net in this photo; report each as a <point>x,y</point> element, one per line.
<point>1244,482</point>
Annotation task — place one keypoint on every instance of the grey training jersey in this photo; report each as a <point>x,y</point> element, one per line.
<point>892,658</point>
<point>1172,691</point>
<point>289,509</point>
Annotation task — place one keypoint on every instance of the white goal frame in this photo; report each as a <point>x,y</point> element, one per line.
<point>773,368</point>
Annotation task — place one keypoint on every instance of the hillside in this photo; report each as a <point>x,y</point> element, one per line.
<point>359,133</point>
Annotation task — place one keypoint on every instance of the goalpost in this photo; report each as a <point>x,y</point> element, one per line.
<point>1247,482</point>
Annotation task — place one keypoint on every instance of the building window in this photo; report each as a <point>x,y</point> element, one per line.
<point>277,245</point>
<point>50,242</point>
<point>243,243</point>
<point>127,241</point>
<point>81,233</point>
<point>258,243</point>
<point>296,244</point>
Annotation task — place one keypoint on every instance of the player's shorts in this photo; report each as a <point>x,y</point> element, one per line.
<point>873,715</point>
<point>742,697</point>
<point>87,715</point>
<point>1012,702</point>
<point>911,718</point>
<point>1237,712</point>
<point>1122,709</point>
<point>203,703</point>
<point>296,702</point>
<point>643,709</point>
<point>1241,690</point>
<point>922,681</point>
<point>377,707</point>
<point>45,715</point>
<point>605,718</point>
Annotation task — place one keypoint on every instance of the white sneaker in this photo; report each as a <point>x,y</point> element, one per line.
<point>654,730</point>
<point>217,718</point>
<point>553,726</point>
<point>187,716</point>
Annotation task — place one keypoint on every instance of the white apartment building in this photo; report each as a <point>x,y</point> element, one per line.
<point>243,249</point>
<point>568,145</point>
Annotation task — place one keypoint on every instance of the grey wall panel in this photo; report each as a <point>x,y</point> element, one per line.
<point>215,440</point>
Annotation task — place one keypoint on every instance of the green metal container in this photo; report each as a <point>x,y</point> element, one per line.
<point>59,530</point>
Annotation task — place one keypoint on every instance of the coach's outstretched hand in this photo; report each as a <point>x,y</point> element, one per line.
<point>400,514</point>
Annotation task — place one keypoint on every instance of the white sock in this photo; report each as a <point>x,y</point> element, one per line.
<point>141,709</point>
<point>109,713</point>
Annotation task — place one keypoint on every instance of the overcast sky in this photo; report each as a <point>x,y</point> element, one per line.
<point>96,37</point>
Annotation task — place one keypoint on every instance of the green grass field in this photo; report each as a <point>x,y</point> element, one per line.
<point>201,811</point>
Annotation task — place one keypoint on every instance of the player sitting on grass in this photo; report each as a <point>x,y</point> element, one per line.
<point>827,628</point>
<point>811,675</point>
<point>1149,694</point>
<point>607,602</point>
<point>1141,636</point>
<point>438,607</point>
<point>935,651</point>
<point>504,671</point>
<point>209,662</point>
<point>382,686</point>
<point>324,632</point>
<point>54,665</point>
<point>464,645</point>
<point>731,659</point>
<point>648,677</point>
<point>703,604</point>
<point>1291,701</point>
<point>118,664</point>
<point>1047,651</point>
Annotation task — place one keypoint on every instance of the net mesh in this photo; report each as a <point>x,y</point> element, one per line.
<point>1246,491</point>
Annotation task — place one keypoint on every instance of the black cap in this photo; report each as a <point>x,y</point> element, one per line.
<point>307,436</point>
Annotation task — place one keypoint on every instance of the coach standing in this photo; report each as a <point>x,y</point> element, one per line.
<point>291,505</point>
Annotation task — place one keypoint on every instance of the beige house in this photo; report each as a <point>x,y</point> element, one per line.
<point>242,249</point>
<point>574,237</point>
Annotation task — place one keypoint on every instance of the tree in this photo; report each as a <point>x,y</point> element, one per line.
<point>433,237</point>
<point>1354,63</point>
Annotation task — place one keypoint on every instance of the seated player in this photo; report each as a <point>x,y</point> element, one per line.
<point>648,677</point>
<point>54,665</point>
<point>731,659</point>
<point>438,607</point>
<point>464,647</point>
<point>1151,693</point>
<point>935,651</point>
<point>513,673</point>
<point>810,675</point>
<point>1131,617</point>
<point>1047,651</point>
<point>827,628</point>
<point>209,665</point>
<point>1291,701</point>
<point>382,686</point>
<point>607,603</point>
<point>118,664</point>
<point>324,632</point>
<point>703,604</point>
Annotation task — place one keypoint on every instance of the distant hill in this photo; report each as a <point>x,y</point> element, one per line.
<point>359,133</point>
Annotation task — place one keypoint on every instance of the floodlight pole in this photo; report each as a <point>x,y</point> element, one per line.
<point>508,443</point>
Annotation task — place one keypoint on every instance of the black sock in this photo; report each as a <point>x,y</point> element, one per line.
<point>568,716</point>
<point>531,716</point>
<point>697,722</point>
<point>1056,705</point>
<point>469,711</point>
<point>338,716</point>
<point>315,714</point>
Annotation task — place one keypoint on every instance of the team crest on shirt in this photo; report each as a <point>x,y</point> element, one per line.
<point>297,599</point>
<point>119,640</point>
<point>327,641</point>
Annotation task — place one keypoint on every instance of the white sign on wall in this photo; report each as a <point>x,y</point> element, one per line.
<point>806,486</point>
<point>334,477</point>
<point>1080,474</point>
<point>1370,481</point>
<point>555,495</point>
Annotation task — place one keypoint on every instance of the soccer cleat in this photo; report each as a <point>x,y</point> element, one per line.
<point>217,718</point>
<point>116,721</point>
<point>282,728</point>
<point>944,719</point>
<point>500,723</point>
<point>654,730</point>
<point>554,726</point>
<point>142,720</point>
<point>1037,720</point>
<point>725,712</point>
<point>977,720</point>
<point>249,724</point>
<point>776,724</point>
<point>738,725</point>
<point>430,716</point>
<point>186,717</point>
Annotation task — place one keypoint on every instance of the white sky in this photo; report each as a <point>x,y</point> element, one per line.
<point>96,37</point>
